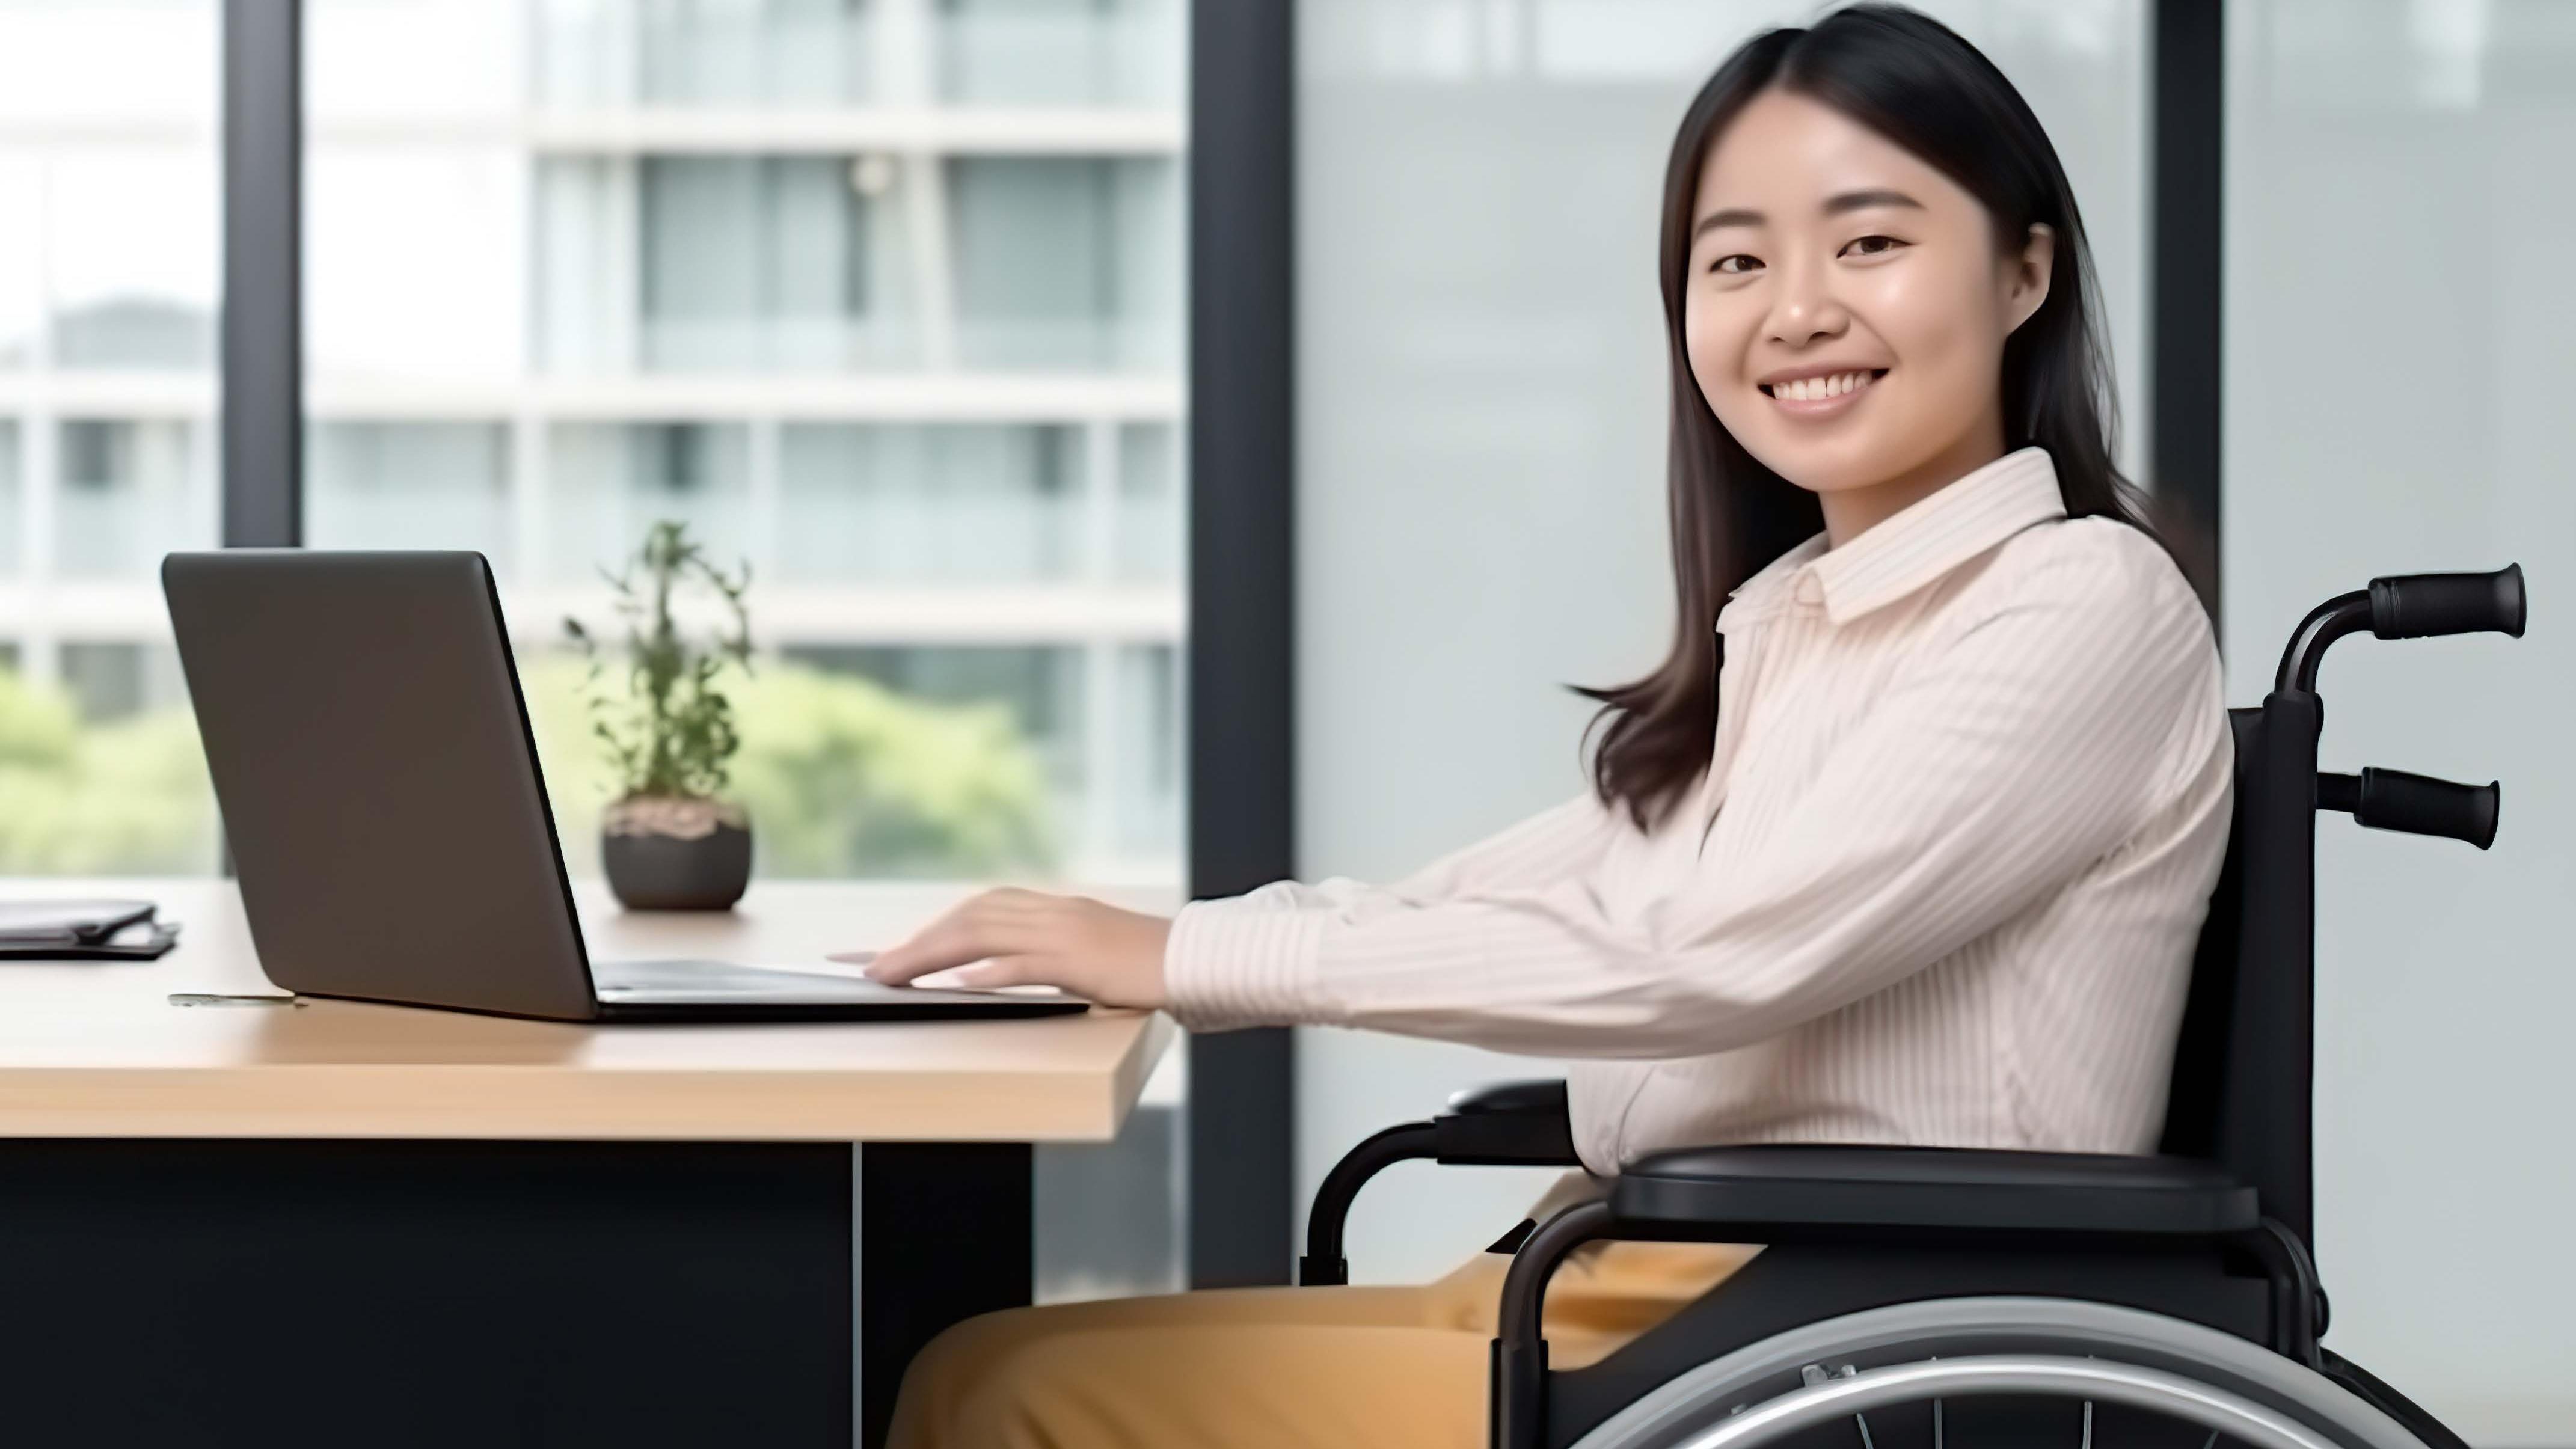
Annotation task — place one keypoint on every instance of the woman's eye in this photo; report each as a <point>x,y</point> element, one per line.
<point>1869,246</point>
<point>1735,264</point>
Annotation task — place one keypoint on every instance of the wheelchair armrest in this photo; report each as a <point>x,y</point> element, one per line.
<point>1785,1192</point>
<point>1508,1124</point>
<point>1538,1095</point>
<point>1918,1195</point>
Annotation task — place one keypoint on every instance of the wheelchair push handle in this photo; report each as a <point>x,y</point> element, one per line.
<point>2417,606</point>
<point>2416,804</point>
<point>2404,606</point>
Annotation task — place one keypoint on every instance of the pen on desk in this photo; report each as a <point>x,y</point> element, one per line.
<point>194,998</point>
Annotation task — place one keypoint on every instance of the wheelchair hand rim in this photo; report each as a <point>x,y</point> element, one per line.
<point>2004,1326</point>
<point>2091,1380</point>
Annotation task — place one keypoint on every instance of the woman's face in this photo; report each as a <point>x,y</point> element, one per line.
<point>1847,305</point>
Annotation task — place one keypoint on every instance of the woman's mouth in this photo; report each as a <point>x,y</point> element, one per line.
<point>1810,397</point>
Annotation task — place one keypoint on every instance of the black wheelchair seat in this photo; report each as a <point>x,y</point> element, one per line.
<point>1805,1191</point>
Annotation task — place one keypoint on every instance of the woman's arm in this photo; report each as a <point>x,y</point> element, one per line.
<point>1562,842</point>
<point>1013,937</point>
<point>2029,747</point>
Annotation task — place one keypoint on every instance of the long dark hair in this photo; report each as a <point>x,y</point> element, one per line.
<point>1916,82</point>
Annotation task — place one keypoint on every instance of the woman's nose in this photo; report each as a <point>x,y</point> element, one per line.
<point>1805,309</point>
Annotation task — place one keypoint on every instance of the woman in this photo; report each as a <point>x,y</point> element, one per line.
<point>1924,862</point>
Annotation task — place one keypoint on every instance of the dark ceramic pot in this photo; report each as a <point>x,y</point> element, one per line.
<point>651,872</point>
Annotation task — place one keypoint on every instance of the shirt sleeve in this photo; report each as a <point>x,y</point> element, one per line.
<point>1562,843</point>
<point>1997,767</point>
<point>1555,843</point>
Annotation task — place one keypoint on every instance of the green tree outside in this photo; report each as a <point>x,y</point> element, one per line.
<point>842,777</point>
<point>124,797</point>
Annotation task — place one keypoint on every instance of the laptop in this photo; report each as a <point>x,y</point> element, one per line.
<point>388,823</point>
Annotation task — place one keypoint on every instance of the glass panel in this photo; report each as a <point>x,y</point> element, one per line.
<point>22,256</point>
<point>110,182</point>
<point>426,485</point>
<point>101,767</point>
<point>929,505</point>
<point>108,281</point>
<point>130,491</point>
<point>728,264</point>
<point>414,59</point>
<point>801,275</point>
<point>1145,782</point>
<point>122,295</point>
<point>415,268</point>
<point>2398,313</point>
<point>1066,264</point>
<point>1060,52</point>
<point>9,498</point>
<point>1152,506</point>
<point>705,52</point>
<point>793,262</point>
<point>1031,703</point>
<point>610,482</point>
<point>112,682</point>
<point>87,64</point>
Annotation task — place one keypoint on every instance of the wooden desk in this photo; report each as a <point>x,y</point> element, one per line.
<point>340,1222</point>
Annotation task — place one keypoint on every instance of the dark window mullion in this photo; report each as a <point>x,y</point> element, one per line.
<point>2185,201</point>
<point>1240,714</point>
<point>261,472</point>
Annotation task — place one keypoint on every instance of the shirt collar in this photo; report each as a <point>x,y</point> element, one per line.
<point>1913,546</point>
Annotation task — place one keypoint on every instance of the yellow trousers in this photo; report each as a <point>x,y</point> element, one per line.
<point>1266,1368</point>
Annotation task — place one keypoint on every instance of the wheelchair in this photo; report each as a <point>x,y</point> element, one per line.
<point>1914,1296</point>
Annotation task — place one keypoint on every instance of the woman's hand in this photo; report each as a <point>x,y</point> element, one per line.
<point>1013,937</point>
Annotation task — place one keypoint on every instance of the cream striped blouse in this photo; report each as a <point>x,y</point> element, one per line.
<point>1940,884</point>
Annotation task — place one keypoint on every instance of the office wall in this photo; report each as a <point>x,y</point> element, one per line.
<point>1481,404</point>
<point>2399,319</point>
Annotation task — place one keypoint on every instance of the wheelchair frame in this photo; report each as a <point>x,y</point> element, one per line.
<point>2213,1231</point>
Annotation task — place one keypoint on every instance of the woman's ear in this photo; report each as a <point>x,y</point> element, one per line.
<point>2026,285</point>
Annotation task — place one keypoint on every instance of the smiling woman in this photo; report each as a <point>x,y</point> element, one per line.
<point>1923,863</point>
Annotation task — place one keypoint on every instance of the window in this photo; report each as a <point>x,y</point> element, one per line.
<point>108,279</point>
<point>2365,434</point>
<point>881,297</point>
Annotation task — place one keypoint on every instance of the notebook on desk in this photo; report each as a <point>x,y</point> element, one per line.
<point>83,930</point>
<point>388,822</point>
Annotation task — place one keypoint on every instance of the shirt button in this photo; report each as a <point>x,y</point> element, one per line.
<point>1811,590</point>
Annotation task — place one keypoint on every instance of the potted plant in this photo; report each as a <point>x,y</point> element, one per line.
<point>670,841</point>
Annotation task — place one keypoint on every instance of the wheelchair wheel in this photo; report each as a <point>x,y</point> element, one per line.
<point>2001,1373</point>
